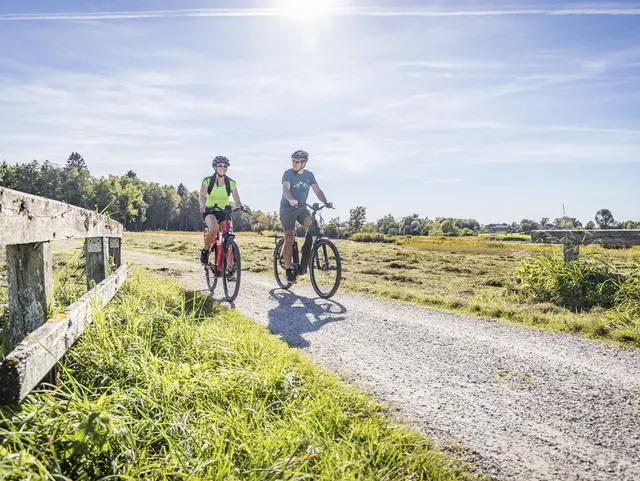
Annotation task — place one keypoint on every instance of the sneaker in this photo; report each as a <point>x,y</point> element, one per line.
<point>291,278</point>
<point>204,257</point>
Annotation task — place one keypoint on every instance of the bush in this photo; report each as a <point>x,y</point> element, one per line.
<point>331,230</point>
<point>628,296</point>
<point>579,285</point>
<point>369,237</point>
<point>466,232</point>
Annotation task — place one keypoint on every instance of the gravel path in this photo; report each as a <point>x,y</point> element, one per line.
<point>527,405</point>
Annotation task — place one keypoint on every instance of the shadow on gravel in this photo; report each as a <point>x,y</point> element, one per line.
<point>296,315</point>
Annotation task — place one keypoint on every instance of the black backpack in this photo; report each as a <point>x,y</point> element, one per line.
<point>214,180</point>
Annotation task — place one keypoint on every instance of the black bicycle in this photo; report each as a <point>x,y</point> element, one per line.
<point>224,258</point>
<point>319,255</point>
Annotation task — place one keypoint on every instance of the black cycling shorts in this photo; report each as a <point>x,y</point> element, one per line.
<point>217,213</point>
<point>289,216</point>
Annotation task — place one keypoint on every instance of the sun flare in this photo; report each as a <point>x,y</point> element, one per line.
<point>310,8</point>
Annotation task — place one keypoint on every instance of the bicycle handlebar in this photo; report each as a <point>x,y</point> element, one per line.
<point>226,209</point>
<point>316,207</point>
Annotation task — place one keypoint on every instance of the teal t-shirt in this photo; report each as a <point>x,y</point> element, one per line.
<point>299,186</point>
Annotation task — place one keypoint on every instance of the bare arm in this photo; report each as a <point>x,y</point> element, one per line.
<point>319,193</point>
<point>286,191</point>
<point>203,197</point>
<point>236,199</point>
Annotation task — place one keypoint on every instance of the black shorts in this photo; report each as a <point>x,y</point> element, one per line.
<point>218,214</point>
<point>289,216</point>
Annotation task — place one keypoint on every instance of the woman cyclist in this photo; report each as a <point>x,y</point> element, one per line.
<point>214,197</point>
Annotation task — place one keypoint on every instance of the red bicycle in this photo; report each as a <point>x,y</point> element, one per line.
<point>224,257</point>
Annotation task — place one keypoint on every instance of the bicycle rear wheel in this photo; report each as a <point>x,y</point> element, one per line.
<point>279,270</point>
<point>325,268</point>
<point>231,278</point>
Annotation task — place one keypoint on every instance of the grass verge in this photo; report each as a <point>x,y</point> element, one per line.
<point>165,385</point>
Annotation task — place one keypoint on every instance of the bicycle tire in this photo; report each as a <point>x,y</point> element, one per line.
<point>277,259</point>
<point>312,268</point>
<point>231,294</point>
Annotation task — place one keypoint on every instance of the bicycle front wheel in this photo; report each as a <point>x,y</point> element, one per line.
<point>232,271</point>
<point>325,268</point>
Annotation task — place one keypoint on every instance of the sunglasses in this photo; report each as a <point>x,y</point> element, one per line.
<point>222,166</point>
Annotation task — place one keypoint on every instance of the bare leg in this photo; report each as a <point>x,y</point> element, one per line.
<point>212,223</point>
<point>287,251</point>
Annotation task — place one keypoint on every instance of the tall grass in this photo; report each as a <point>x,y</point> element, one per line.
<point>4,312</point>
<point>583,285</point>
<point>506,237</point>
<point>69,277</point>
<point>165,385</point>
<point>579,285</point>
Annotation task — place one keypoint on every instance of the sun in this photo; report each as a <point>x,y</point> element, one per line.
<point>309,8</point>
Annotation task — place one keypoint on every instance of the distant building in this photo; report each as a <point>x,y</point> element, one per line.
<point>497,228</point>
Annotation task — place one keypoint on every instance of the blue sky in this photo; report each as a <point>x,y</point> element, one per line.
<point>498,111</point>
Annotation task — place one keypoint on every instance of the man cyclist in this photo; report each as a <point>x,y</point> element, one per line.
<point>214,197</point>
<point>293,205</point>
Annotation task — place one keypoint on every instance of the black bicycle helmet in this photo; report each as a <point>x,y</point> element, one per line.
<point>300,155</point>
<point>220,159</point>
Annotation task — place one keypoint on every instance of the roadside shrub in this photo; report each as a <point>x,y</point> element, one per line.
<point>370,237</point>
<point>579,285</point>
<point>627,298</point>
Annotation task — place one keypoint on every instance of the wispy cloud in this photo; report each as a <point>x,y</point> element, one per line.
<point>344,11</point>
<point>423,102</point>
<point>436,180</point>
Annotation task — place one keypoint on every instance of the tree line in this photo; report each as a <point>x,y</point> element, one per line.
<point>451,226</point>
<point>141,205</point>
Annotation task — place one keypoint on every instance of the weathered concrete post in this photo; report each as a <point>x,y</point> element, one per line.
<point>115,250</point>
<point>97,258</point>
<point>30,280</point>
<point>571,249</point>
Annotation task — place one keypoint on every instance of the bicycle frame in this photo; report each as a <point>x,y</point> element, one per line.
<point>227,232</point>
<point>312,235</point>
